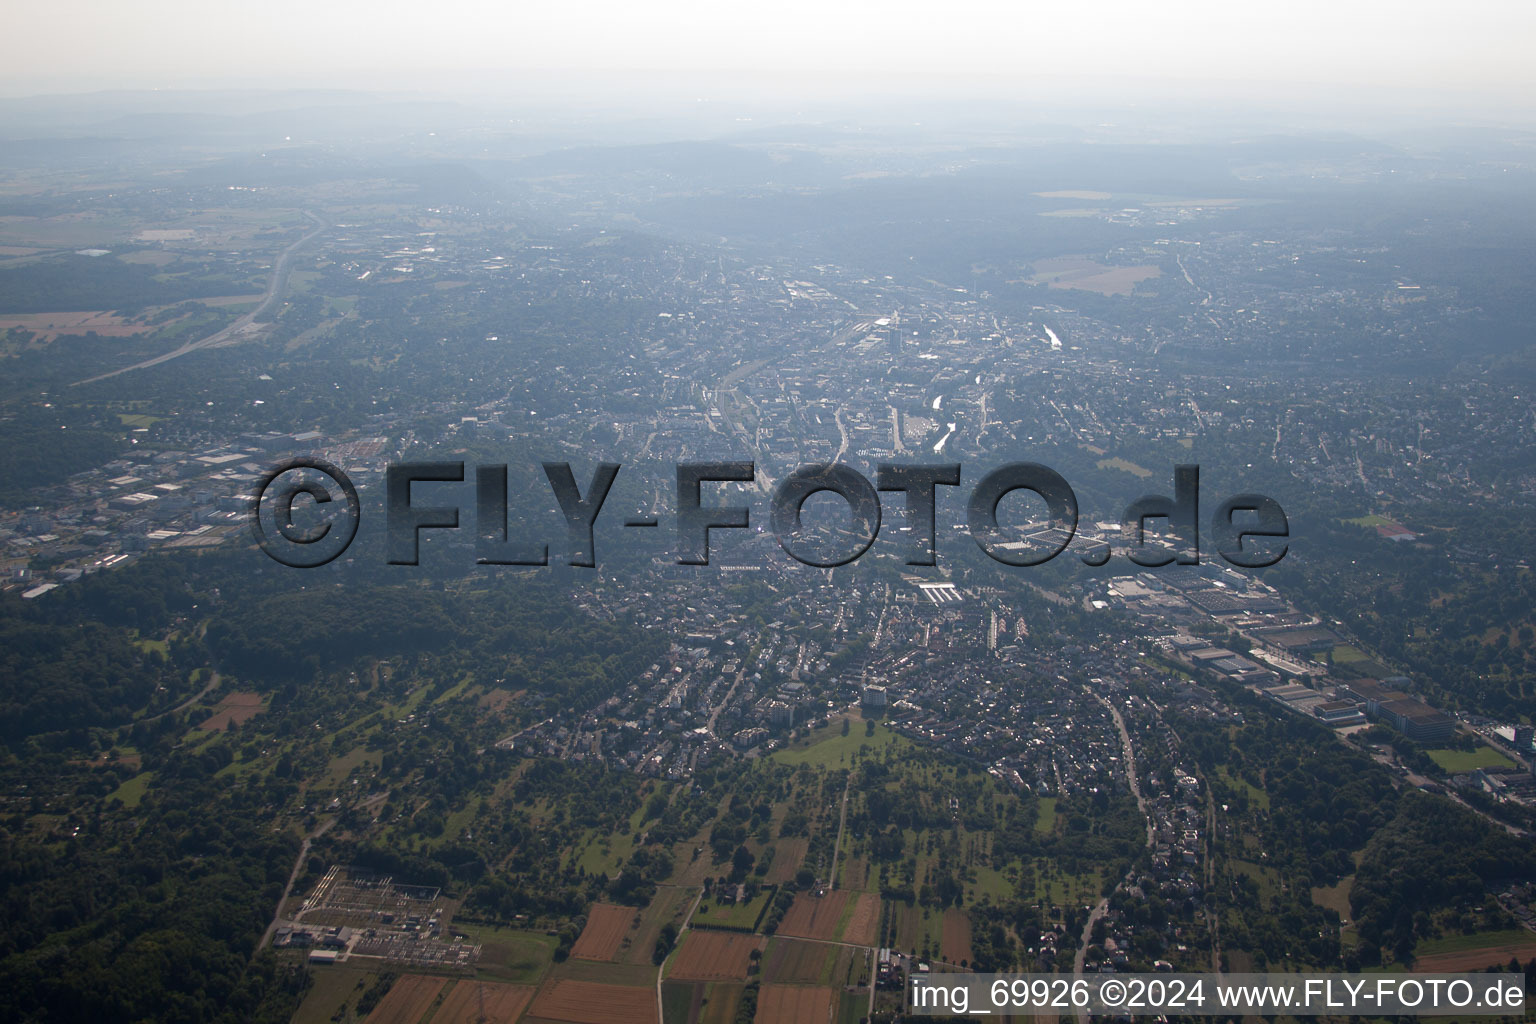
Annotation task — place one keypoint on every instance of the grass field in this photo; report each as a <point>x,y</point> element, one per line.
<point>669,904</point>
<point>853,873</point>
<point>606,854</point>
<point>1046,822</point>
<point>732,915</point>
<point>1125,466</point>
<point>720,1002</point>
<point>1257,798</point>
<point>511,954</point>
<point>916,929</point>
<point>797,962</point>
<point>133,790</point>
<point>852,1007</point>
<point>1456,762</point>
<point>1266,878</point>
<point>1370,521</point>
<point>677,1001</point>
<point>1335,897</point>
<point>1343,654</point>
<point>788,856</point>
<point>827,748</point>
<point>330,990</point>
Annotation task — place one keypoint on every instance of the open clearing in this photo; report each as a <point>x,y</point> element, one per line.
<point>589,1002</point>
<point>331,992</point>
<point>1125,466</point>
<point>828,748</point>
<point>511,954</point>
<point>473,1001</point>
<point>783,1004</point>
<point>607,925</point>
<point>1084,274</point>
<point>48,326</point>
<point>407,999</point>
<point>714,956</point>
<point>237,709</point>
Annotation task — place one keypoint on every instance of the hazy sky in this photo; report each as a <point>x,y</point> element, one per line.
<point>1478,47</point>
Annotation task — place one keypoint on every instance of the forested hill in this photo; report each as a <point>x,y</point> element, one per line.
<point>143,848</point>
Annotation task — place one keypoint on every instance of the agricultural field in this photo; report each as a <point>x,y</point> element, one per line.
<point>778,1004</point>
<point>1474,952</point>
<point>47,326</point>
<point>955,945</point>
<point>670,903</point>
<point>607,927</point>
<point>840,915</point>
<point>590,1002</point>
<point>789,854</point>
<point>916,929</point>
<point>700,1002</point>
<point>798,962</point>
<point>714,956</point>
<point>407,999</point>
<point>853,873</point>
<point>1084,274</point>
<point>471,1002</point>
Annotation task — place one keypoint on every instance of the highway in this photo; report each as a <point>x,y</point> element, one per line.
<point>231,334</point>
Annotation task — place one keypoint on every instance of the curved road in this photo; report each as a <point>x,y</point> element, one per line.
<point>228,335</point>
<point>213,684</point>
